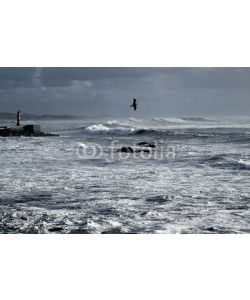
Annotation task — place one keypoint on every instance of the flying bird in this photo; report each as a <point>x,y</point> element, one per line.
<point>134,105</point>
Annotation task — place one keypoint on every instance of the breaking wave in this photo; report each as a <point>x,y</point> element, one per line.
<point>162,128</point>
<point>100,128</point>
<point>122,128</point>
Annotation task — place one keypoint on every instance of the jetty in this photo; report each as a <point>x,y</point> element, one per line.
<point>25,130</point>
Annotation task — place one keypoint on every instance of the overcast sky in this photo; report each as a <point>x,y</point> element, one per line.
<point>96,91</point>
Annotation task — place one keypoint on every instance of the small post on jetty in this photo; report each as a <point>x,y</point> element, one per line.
<point>18,116</point>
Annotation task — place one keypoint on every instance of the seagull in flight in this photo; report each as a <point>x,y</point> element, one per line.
<point>134,105</point>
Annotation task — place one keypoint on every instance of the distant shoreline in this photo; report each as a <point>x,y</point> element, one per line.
<point>10,116</point>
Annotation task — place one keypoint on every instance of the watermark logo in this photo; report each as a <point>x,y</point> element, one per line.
<point>157,150</point>
<point>89,151</point>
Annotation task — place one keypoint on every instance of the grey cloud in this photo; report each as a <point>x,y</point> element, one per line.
<point>160,91</point>
<point>16,77</point>
<point>188,77</point>
<point>60,77</point>
<point>218,78</point>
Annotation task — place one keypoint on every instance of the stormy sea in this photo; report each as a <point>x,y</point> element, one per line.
<point>171,175</point>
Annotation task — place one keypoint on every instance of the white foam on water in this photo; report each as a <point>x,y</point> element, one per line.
<point>42,188</point>
<point>112,122</point>
<point>100,128</point>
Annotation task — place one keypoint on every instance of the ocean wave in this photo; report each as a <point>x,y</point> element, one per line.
<point>158,130</point>
<point>157,120</point>
<point>236,165</point>
<point>227,162</point>
<point>123,129</point>
<point>244,164</point>
<point>100,128</point>
<point>113,122</point>
<point>198,119</point>
<point>177,134</point>
<point>133,120</point>
<point>242,140</point>
<point>145,131</point>
<point>216,158</point>
<point>159,198</point>
<point>171,120</point>
<point>181,120</point>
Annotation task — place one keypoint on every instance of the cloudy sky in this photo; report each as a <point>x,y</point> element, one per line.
<point>96,91</point>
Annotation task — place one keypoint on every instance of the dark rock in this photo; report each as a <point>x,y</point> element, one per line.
<point>55,229</point>
<point>126,150</point>
<point>210,229</point>
<point>26,130</point>
<point>8,132</point>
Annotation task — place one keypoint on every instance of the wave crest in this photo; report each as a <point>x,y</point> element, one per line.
<point>100,128</point>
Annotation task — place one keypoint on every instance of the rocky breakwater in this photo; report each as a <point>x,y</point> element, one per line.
<point>26,130</point>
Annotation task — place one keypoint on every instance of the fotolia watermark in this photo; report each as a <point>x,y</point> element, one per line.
<point>157,150</point>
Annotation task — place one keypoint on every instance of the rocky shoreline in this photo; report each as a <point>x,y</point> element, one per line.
<point>24,133</point>
<point>27,131</point>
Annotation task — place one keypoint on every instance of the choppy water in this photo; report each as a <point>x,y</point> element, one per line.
<point>195,181</point>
